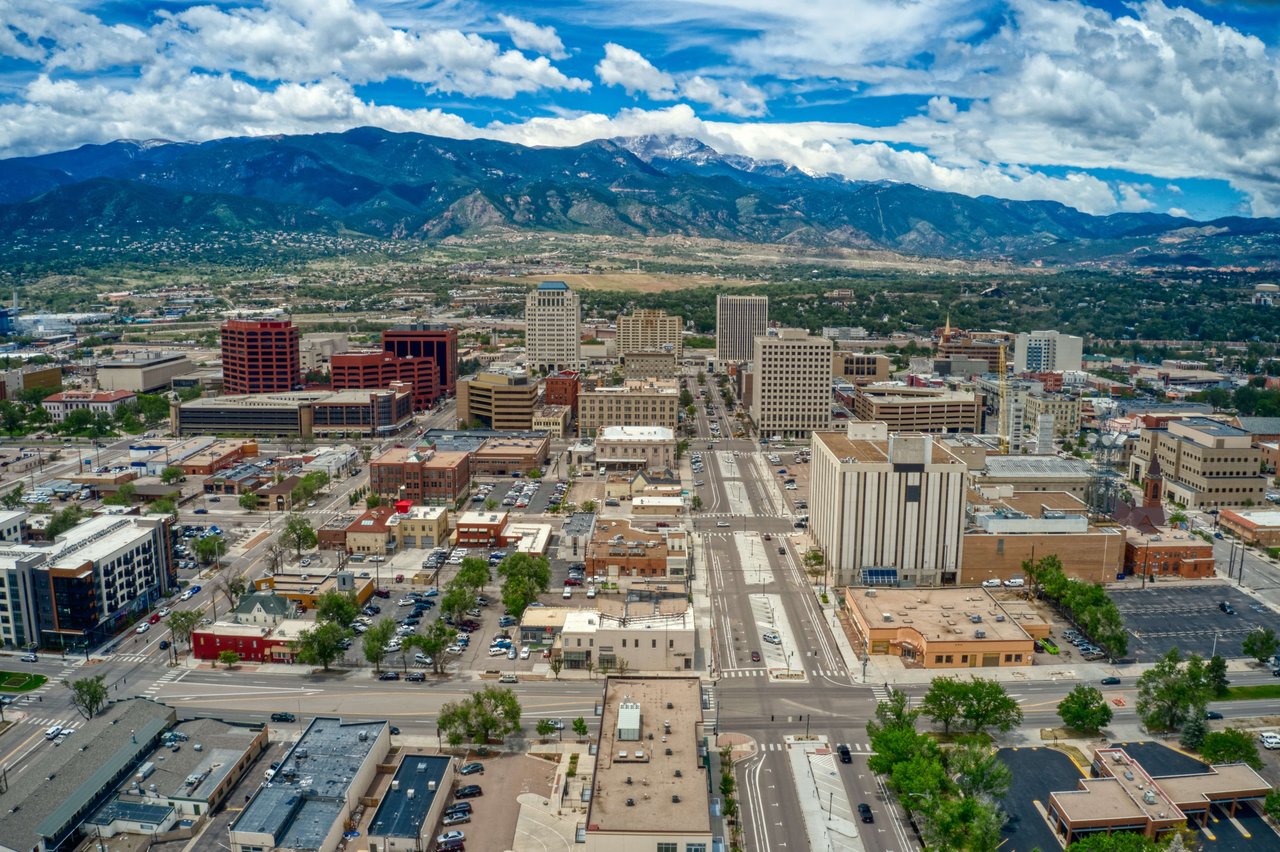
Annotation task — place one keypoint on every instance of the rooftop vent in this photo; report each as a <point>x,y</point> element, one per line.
<point>679,774</point>
<point>675,800</point>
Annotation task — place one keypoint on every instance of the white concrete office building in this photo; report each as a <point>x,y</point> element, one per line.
<point>791,384</point>
<point>553,336</point>
<point>739,320</point>
<point>887,509</point>
<point>1046,352</point>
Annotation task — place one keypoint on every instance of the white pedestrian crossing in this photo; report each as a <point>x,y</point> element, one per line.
<point>880,693</point>
<point>49,721</point>
<point>131,658</point>
<point>861,748</point>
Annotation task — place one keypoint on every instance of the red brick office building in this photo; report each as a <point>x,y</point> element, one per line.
<point>422,355</point>
<point>260,356</point>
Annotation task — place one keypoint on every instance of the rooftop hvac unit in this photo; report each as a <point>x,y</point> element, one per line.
<point>1149,797</point>
<point>980,634</point>
<point>198,747</point>
<point>410,794</point>
<point>431,786</point>
<point>395,783</point>
<point>363,736</point>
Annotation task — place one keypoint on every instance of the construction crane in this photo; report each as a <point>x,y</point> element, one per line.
<point>1005,417</point>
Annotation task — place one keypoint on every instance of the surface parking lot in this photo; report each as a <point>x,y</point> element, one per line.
<point>1188,618</point>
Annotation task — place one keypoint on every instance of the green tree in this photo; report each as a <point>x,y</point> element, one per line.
<point>978,772</point>
<point>13,499</point>
<point>589,506</point>
<point>374,642</point>
<point>896,744</point>
<point>546,728</point>
<point>920,775</point>
<point>1230,746</point>
<point>64,520</point>
<point>433,642</point>
<point>815,565</point>
<point>490,504</point>
<point>1193,733</point>
<point>228,658</point>
<point>1272,804</point>
<point>696,503</point>
<point>1261,644</point>
<point>337,607</point>
<point>556,665</point>
<point>11,417</point>
<point>457,599</point>
<point>320,645</point>
<point>172,474</point>
<point>123,496</point>
<point>182,623</point>
<point>372,501</point>
<point>1085,709</point>
<point>1170,691</point>
<point>473,573</point>
<point>944,702</point>
<point>580,727</point>
<point>163,506</point>
<point>210,549</point>
<point>298,534</point>
<point>249,501</point>
<point>492,713</point>
<point>988,705</point>
<point>524,578</point>
<point>1216,676</point>
<point>88,695</point>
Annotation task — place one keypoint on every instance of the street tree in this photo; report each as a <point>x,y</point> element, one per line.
<point>1085,709</point>
<point>88,695</point>
<point>182,623</point>
<point>1230,746</point>
<point>337,607</point>
<point>815,565</point>
<point>457,599</point>
<point>556,665</point>
<point>978,772</point>
<point>1216,676</point>
<point>1170,692</point>
<point>473,573</point>
<point>320,645</point>
<point>249,501</point>
<point>172,474</point>
<point>298,534</point>
<point>1193,733</point>
<point>897,744</point>
<point>546,728</point>
<point>1272,804</point>
<point>580,727</point>
<point>374,642</point>
<point>228,658</point>
<point>988,705</point>
<point>944,702</point>
<point>1261,644</point>
<point>920,775</point>
<point>492,713</point>
<point>696,503</point>
<point>210,549</point>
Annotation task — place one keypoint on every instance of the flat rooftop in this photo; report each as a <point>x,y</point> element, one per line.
<point>941,614</point>
<point>1035,467</point>
<point>660,801</point>
<point>1216,428</point>
<point>187,773</point>
<point>1256,518</point>
<point>579,523</point>
<point>298,806</point>
<point>635,433</point>
<point>96,538</point>
<point>865,451</point>
<point>405,805</point>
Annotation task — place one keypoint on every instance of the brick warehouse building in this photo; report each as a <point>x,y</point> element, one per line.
<point>422,355</point>
<point>260,356</point>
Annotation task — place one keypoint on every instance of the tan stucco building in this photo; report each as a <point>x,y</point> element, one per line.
<point>1204,463</point>
<point>649,330</point>
<point>947,628</point>
<point>634,403</point>
<point>498,399</point>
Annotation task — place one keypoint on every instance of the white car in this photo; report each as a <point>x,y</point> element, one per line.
<point>1270,740</point>
<point>1015,583</point>
<point>772,638</point>
<point>392,646</point>
<point>454,649</point>
<point>524,653</point>
<point>722,523</point>
<point>186,596</point>
<point>991,584</point>
<point>164,612</point>
<point>142,628</point>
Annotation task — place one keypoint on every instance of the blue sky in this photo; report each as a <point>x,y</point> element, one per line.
<point>1105,106</point>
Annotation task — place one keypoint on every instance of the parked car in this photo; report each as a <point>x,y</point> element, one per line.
<point>458,808</point>
<point>772,637</point>
<point>468,791</point>
<point>283,717</point>
<point>450,836</point>
<point>456,819</point>
<point>389,676</point>
<point>473,768</point>
<point>992,583</point>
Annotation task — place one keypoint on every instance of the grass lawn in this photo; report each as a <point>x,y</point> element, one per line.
<point>20,682</point>
<point>1262,690</point>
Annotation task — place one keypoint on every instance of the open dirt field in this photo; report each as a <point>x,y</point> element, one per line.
<point>633,282</point>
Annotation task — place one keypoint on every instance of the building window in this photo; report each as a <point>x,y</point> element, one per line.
<point>668,847</point>
<point>938,658</point>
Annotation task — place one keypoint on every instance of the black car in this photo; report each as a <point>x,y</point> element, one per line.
<point>1212,714</point>
<point>468,791</point>
<point>389,676</point>
<point>845,755</point>
<point>395,732</point>
<point>864,811</point>
<point>1111,681</point>
<point>283,717</point>
<point>1226,607</point>
<point>415,677</point>
<point>458,808</point>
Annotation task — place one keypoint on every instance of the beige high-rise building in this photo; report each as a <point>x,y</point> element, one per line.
<point>739,319</point>
<point>1203,463</point>
<point>887,508</point>
<point>553,336</point>
<point>790,384</point>
<point>648,330</point>
<point>633,403</point>
<point>498,399</point>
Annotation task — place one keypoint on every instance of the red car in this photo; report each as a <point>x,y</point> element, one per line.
<point>572,581</point>
<point>755,656</point>
<point>383,593</point>
<point>155,618</point>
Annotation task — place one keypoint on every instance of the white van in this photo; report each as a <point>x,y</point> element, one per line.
<point>568,592</point>
<point>52,733</point>
<point>591,592</point>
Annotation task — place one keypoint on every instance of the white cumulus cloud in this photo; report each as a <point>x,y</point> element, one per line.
<point>527,35</point>
<point>622,66</point>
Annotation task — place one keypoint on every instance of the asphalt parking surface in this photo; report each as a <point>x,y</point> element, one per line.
<point>1187,617</point>
<point>1037,772</point>
<point>1161,760</point>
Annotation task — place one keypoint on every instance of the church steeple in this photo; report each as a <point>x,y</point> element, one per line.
<point>1152,484</point>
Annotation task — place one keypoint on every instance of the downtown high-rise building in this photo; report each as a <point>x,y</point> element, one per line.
<point>739,320</point>
<point>649,330</point>
<point>790,384</point>
<point>260,356</point>
<point>553,335</point>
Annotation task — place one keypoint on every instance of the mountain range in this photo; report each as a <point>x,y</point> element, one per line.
<point>405,186</point>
